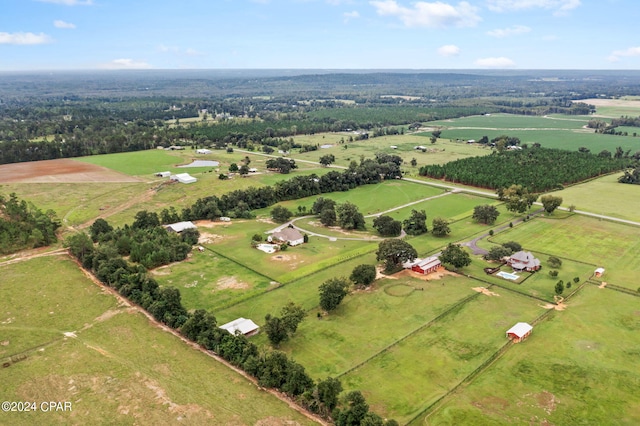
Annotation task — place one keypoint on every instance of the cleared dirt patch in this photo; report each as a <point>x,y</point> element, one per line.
<point>231,282</point>
<point>485,291</point>
<point>60,171</point>
<point>437,275</point>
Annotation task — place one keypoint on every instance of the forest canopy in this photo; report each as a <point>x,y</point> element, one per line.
<point>537,169</point>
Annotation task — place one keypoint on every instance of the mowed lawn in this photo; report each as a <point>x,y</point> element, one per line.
<point>610,245</point>
<point>116,368</point>
<point>404,380</point>
<point>579,366</point>
<point>604,196</point>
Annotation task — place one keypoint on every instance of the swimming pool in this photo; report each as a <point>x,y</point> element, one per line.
<point>508,276</point>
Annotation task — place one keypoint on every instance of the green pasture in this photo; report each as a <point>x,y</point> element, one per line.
<point>394,308</point>
<point>370,199</point>
<point>43,298</point>
<point>610,245</point>
<point>302,291</point>
<point>118,369</point>
<point>515,122</point>
<point>564,132</point>
<point>441,152</point>
<point>453,206</point>
<point>579,366</point>
<point>604,196</point>
<point>405,379</point>
<point>76,203</point>
<point>209,281</point>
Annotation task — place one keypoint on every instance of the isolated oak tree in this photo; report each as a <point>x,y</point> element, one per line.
<point>332,292</point>
<point>394,253</point>
<point>550,203</point>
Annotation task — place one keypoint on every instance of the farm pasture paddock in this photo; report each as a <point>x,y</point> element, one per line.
<point>112,365</point>
<point>577,367</point>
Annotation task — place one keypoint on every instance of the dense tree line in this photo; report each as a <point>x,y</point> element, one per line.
<point>24,226</point>
<point>537,169</point>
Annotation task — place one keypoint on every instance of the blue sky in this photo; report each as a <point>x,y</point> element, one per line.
<point>319,34</point>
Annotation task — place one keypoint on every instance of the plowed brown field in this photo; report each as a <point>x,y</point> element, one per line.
<point>60,171</point>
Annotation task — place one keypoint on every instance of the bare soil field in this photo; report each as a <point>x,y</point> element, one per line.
<point>60,171</point>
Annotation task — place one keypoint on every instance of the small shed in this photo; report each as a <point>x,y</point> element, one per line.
<point>519,332</point>
<point>163,174</point>
<point>203,151</point>
<point>599,272</point>
<point>243,326</point>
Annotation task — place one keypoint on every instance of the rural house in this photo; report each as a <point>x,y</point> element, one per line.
<point>519,332</point>
<point>243,326</point>
<point>599,272</point>
<point>291,236</point>
<point>423,266</point>
<point>523,261</point>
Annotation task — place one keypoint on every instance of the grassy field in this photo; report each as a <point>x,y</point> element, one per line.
<point>564,132</point>
<point>115,368</point>
<point>394,308</point>
<point>603,196</point>
<point>405,379</point>
<point>578,367</point>
<point>441,152</point>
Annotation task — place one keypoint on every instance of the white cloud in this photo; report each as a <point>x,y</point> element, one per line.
<point>617,54</point>
<point>127,64</point>
<point>431,15</point>
<point>61,24</point>
<point>560,7</point>
<point>449,50</point>
<point>24,38</point>
<point>500,62</point>
<point>69,2</point>
<point>506,32</point>
<point>350,15</point>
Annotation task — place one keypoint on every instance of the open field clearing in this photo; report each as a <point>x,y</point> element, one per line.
<point>112,366</point>
<point>615,108</point>
<point>405,379</point>
<point>441,152</point>
<point>394,307</point>
<point>60,171</point>
<point>606,244</point>
<point>370,199</point>
<point>604,196</point>
<point>578,367</point>
<point>302,291</point>
<point>77,203</point>
<point>564,132</point>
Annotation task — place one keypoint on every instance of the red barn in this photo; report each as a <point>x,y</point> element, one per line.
<point>424,266</point>
<point>519,332</point>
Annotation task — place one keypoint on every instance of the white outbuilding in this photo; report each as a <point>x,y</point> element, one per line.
<point>243,326</point>
<point>183,178</point>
